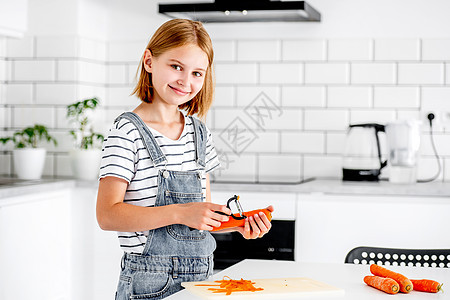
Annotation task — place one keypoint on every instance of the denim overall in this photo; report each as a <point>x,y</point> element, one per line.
<point>174,253</point>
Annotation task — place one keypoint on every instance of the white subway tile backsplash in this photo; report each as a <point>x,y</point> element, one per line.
<point>284,119</point>
<point>258,50</point>
<point>349,96</point>
<point>4,117</point>
<point>436,49</point>
<point>421,73</point>
<point>372,116</point>
<point>302,142</point>
<point>68,70</point>
<point>224,96</point>
<point>251,95</point>
<point>29,115</point>
<point>119,51</point>
<point>277,168</point>
<point>92,49</point>
<point>304,50</point>
<point>373,73</point>
<point>435,99</point>
<point>3,47</point>
<point>322,166</point>
<point>242,73</point>
<point>266,142</point>
<point>34,70</point>
<point>236,168</point>
<point>397,97</point>
<point>4,70</point>
<point>224,51</point>
<point>120,96</point>
<point>397,49</point>
<point>117,74</point>
<point>326,73</point>
<point>281,73</point>
<point>63,165</point>
<point>57,94</point>
<point>335,142</point>
<point>323,119</point>
<point>23,47</point>
<point>350,49</point>
<point>92,72</point>
<point>56,46</point>
<point>427,167</point>
<point>19,94</point>
<point>447,74</point>
<point>293,98</point>
<point>303,96</point>
<point>5,164</point>
<point>441,141</point>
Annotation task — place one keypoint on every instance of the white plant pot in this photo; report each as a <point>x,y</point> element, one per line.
<point>29,162</point>
<point>85,163</point>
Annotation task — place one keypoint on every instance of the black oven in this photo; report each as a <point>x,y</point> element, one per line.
<point>277,244</point>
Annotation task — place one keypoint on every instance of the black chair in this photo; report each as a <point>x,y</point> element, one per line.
<point>435,258</point>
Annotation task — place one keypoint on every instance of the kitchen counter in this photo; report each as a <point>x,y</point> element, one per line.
<point>345,276</point>
<point>12,187</point>
<point>339,187</point>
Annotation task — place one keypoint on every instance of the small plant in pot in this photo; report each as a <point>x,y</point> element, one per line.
<point>85,157</point>
<point>28,158</point>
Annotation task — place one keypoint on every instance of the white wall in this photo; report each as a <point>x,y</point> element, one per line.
<point>367,61</point>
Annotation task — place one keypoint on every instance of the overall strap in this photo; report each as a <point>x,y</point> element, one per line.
<point>153,148</point>
<point>200,137</point>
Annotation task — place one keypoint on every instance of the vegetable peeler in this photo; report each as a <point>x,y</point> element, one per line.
<point>235,199</point>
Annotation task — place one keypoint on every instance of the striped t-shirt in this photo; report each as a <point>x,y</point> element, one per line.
<point>125,156</point>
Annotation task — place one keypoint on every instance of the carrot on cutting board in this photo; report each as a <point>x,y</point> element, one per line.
<point>240,223</point>
<point>405,284</point>
<point>426,285</point>
<point>386,285</point>
<point>229,286</point>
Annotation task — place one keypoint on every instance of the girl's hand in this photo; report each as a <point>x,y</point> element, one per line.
<point>203,215</point>
<point>256,226</point>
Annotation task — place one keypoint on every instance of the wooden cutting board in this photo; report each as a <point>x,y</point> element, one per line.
<point>273,288</point>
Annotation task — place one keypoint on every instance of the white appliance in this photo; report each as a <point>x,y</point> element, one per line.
<point>403,141</point>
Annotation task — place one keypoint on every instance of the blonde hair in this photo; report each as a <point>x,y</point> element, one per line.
<point>172,34</point>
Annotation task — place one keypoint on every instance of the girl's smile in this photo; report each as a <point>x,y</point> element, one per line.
<point>177,74</point>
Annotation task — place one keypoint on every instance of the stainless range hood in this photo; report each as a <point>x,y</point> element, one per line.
<point>225,11</point>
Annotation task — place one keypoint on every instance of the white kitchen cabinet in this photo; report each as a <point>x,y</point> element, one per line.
<point>96,254</point>
<point>13,18</point>
<point>35,246</point>
<point>283,203</point>
<point>329,226</point>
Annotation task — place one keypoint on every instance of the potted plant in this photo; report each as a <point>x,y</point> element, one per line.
<point>28,158</point>
<point>85,157</point>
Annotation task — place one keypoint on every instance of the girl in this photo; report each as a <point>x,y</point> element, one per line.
<point>154,182</point>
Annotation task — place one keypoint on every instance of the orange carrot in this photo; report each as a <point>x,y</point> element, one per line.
<point>427,285</point>
<point>386,285</point>
<point>405,284</point>
<point>229,286</point>
<point>240,223</point>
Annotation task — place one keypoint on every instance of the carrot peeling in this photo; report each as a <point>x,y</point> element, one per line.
<point>229,286</point>
<point>427,285</point>
<point>405,284</point>
<point>240,223</point>
<point>386,285</point>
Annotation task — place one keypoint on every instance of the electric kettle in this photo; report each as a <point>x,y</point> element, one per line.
<point>362,154</point>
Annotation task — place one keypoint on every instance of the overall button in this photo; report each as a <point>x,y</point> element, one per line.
<point>165,174</point>
<point>199,176</point>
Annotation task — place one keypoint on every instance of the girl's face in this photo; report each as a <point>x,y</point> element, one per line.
<point>177,74</point>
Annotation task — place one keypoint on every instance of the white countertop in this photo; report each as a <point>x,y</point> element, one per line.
<point>346,276</point>
<point>11,187</point>
<point>337,186</point>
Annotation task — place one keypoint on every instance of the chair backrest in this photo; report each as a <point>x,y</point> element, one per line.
<point>436,258</point>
